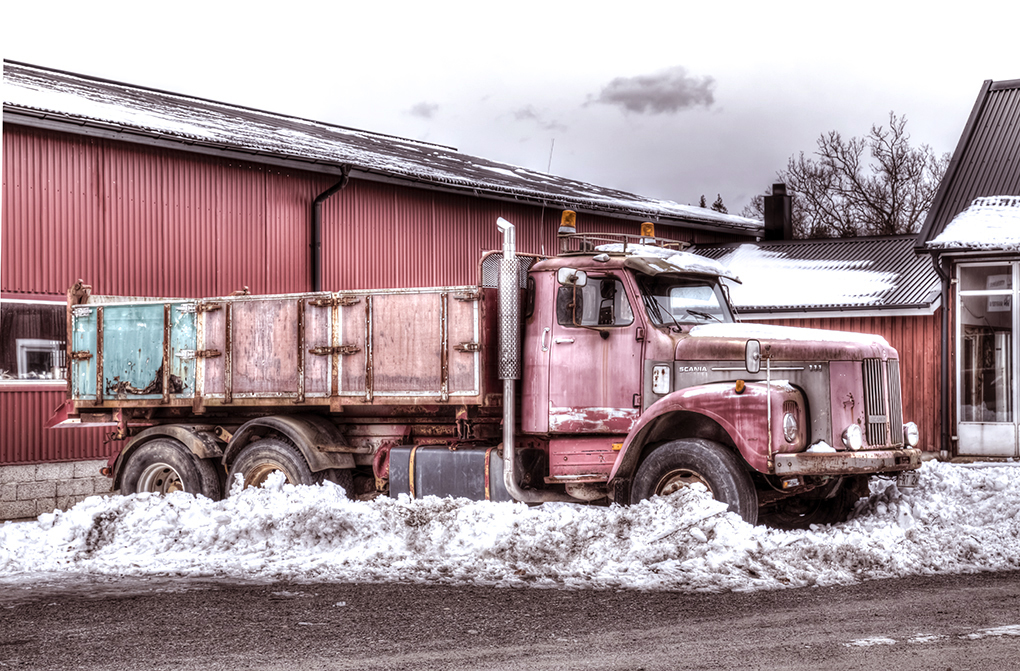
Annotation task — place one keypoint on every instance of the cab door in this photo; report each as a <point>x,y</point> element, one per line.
<point>594,358</point>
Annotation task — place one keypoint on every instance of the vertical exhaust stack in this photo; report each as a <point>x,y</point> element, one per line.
<point>510,363</point>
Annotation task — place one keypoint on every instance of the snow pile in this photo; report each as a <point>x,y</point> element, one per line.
<point>992,222</point>
<point>957,520</point>
<point>771,279</point>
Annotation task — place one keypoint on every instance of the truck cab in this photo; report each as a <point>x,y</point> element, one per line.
<point>637,379</point>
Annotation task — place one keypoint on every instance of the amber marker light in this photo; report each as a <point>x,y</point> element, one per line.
<point>568,222</point>
<point>740,387</point>
<point>647,230</point>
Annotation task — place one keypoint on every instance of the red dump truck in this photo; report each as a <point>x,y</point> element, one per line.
<point>635,380</point>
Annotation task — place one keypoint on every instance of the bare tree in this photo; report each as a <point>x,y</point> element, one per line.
<point>872,185</point>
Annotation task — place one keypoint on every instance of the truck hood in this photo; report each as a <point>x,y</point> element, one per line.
<point>725,342</point>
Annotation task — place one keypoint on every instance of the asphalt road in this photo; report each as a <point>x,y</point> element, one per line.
<point>945,622</point>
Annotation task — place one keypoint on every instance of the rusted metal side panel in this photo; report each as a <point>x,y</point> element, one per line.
<point>918,342</point>
<point>264,346</point>
<point>24,410</point>
<point>407,337</point>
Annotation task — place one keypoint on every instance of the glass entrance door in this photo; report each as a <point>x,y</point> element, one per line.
<point>986,349</point>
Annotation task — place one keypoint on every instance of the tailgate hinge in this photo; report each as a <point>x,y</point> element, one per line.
<point>342,349</point>
<point>199,354</point>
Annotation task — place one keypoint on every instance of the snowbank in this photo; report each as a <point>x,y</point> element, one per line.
<point>957,520</point>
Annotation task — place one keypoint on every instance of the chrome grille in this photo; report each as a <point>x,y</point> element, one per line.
<point>874,402</point>
<point>884,409</point>
<point>895,403</point>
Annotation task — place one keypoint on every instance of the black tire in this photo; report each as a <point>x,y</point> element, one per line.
<point>257,460</point>
<point>165,465</point>
<point>683,462</point>
<point>800,512</point>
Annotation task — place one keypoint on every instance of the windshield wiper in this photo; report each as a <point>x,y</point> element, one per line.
<point>699,313</point>
<point>654,310</point>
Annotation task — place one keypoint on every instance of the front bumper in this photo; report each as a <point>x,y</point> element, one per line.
<point>848,463</point>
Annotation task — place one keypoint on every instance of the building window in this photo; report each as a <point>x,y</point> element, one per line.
<point>32,341</point>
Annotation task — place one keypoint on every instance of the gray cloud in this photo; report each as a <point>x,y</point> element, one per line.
<point>529,113</point>
<point>669,91</point>
<point>424,110</point>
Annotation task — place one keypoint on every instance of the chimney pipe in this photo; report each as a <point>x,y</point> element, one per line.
<point>779,214</point>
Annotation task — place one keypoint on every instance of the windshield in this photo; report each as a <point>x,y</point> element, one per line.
<point>674,301</point>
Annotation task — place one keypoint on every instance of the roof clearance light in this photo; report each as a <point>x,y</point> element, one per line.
<point>568,222</point>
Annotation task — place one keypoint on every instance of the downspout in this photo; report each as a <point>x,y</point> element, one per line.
<point>316,264</point>
<point>945,446</point>
<point>509,356</point>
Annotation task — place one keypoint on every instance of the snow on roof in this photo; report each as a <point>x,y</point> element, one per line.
<point>830,274</point>
<point>991,222</point>
<point>773,279</point>
<point>770,332</point>
<point>957,520</point>
<point>34,92</point>
<point>670,260</point>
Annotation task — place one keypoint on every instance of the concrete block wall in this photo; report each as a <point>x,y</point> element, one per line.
<point>29,490</point>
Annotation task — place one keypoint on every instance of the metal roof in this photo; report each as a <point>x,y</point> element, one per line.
<point>69,102</point>
<point>876,275</point>
<point>986,161</point>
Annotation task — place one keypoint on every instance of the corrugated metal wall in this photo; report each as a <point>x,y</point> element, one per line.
<point>140,221</point>
<point>24,438</point>
<point>918,341</point>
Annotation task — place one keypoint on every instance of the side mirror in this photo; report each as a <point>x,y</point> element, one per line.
<point>752,356</point>
<point>570,276</point>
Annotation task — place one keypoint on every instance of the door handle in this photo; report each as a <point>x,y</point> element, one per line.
<point>545,341</point>
<point>563,341</point>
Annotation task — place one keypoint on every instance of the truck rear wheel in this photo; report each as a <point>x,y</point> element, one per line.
<point>257,460</point>
<point>681,463</point>
<point>164,465</point>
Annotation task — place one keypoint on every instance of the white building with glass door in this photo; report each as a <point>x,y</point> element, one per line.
<point>981,249</point>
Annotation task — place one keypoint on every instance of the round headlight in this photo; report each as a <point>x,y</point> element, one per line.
<point>911,434</point>
<point>790,427</point>
<point>852,437</point>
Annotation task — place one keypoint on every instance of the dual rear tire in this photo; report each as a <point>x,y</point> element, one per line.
<point>164,466</point>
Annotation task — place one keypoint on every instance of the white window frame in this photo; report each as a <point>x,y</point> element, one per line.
<point>19,342</point>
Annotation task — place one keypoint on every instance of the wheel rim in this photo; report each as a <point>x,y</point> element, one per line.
<point>679,478</point>
<point>258,474</point>
<point>160,478</point>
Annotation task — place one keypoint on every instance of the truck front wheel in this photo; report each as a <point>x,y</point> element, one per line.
<point>165,465</point>
<point>257,460</point>
<point>681,463</point>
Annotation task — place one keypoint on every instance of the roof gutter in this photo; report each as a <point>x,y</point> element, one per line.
<point>316,244</point>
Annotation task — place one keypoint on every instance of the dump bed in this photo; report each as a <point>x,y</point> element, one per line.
<point>400,346</point>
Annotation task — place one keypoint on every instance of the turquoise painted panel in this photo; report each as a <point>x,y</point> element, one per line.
<point>83,339</point>
<point>133,351</point>
<point>183,339</point>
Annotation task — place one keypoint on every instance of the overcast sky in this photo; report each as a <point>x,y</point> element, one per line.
<point>666,99</point>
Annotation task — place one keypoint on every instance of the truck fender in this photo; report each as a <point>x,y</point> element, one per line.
<point>319,440</point>
<point>742,415</point>
<point>197,438</point>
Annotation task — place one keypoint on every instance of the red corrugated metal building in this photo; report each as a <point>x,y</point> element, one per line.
<point>146,193</point>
